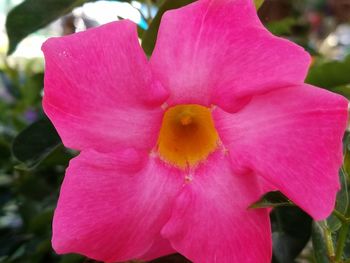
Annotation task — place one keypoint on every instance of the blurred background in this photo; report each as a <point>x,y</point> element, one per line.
<point>33,160</point>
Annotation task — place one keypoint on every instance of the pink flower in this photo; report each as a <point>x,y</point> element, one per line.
<point>175,149</point>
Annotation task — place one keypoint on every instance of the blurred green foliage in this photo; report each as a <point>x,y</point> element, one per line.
<point>32,15</point>
<point>27,196</point>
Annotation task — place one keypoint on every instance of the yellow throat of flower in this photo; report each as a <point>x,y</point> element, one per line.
<point>187,135</point>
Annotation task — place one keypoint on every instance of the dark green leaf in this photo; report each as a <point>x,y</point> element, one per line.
<point>5,152</point>
<point>347,248</point>
<point>32,15</point>
<point>10,241</point>
<point>40,223</point>
<point>272,199</point>
<point>150,36</point>
<point>176,258</point>
<point>72,259</point>
<point>291,230</point>
<point>36,142</point>
<point>343,195</point>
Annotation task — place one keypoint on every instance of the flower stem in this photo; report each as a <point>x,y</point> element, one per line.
<point>344,230</point>
<point>329,243</point>
<point>341,217</point>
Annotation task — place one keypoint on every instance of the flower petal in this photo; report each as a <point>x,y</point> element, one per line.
<point>111,214</point>
<point>92,94</point>
<point>211,221</point>
<point>222,55</point>
<point>292,137</point>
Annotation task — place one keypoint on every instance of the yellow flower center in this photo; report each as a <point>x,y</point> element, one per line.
<point>187,135</point>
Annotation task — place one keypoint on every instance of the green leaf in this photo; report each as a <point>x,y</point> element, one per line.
<point>343,195</point>
<point>346,163</point>
<point>31,89</point>
<point>41,222</point>
<point>10,241</point>
<point>72,259</point>
<point>291,230</point>
<point>342,203</point>
<point>32,15</point>
<point>35,143</point>
<point>272,199</point>
<point>150,35</point>
<point>332,75</point>
<point>5,152</point>
<point>258,3</point>
<point>282,27</point>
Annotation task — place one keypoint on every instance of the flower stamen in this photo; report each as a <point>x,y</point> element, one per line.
<point>186,120</point>
<point>187,135</point>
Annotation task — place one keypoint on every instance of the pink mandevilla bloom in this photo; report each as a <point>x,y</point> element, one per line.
<point>174,149</point>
